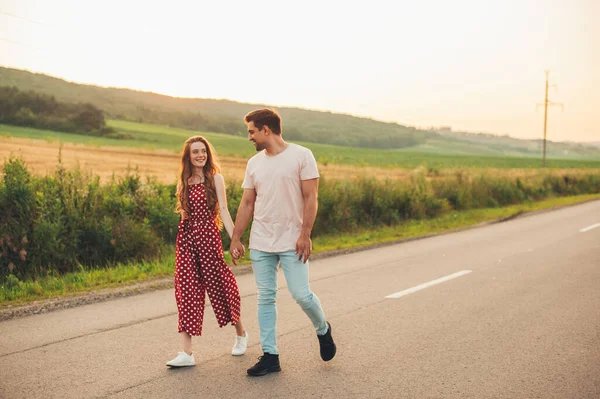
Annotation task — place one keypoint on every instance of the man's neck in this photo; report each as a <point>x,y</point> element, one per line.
<point>276,147</point>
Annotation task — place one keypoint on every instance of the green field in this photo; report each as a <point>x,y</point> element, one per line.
<point>149,136</point>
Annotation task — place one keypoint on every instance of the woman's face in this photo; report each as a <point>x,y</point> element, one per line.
<point>198,155</point>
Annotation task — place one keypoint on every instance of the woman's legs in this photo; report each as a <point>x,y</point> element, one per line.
<point>186,339</point>
<point>187,342</point>
<point>239,328</point>
<point>185,358</point>
<point>189,286</point>
<point>221,287</point>
<point>241,339</point>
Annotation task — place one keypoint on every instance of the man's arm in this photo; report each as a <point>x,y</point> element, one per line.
<point>310,194</point>
<point>244,214</point>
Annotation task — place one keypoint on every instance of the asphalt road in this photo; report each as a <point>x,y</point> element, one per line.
<point>517,317</point>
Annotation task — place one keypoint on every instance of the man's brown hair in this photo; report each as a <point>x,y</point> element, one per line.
<point>265,116</point>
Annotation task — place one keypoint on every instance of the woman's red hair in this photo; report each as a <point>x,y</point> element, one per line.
<point>210,169</point>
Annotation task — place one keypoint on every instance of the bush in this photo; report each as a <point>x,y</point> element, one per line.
<point>17,201</point>
<point>28,108</point>
<point>68,220</point>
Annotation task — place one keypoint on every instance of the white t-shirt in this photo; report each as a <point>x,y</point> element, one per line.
<point>279,207</point>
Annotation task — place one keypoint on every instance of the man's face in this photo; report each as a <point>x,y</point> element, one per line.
<point>256,136</point>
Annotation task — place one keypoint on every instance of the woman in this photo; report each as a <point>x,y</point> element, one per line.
<point>199,263</point>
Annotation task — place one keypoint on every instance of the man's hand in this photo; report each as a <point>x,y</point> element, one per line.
<point>237,250</point>
<point>303,248</point>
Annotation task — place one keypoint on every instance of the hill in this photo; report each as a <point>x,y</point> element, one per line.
<point>225,116</point>
<point>220,116</point>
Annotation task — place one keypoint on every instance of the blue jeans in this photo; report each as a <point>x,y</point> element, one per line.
<point>296,275</point>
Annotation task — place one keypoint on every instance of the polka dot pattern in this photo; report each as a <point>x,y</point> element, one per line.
<point>200,269</point>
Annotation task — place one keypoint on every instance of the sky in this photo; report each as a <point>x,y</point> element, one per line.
<point>473,65</point>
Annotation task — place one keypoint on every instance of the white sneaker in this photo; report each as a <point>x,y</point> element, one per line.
<point>241,343</point>
<point>182,360</point>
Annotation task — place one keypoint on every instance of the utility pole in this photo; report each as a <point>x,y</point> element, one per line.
<point>545,104</point>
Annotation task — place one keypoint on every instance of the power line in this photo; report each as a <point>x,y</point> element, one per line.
<point>19,43</point>
<point>23,18</point>
<point>16,42</point>
<point>44,25</point>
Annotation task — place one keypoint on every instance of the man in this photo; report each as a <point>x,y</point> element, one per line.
<point>280,191</point>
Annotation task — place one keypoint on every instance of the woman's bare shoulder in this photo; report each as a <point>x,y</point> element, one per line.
<point>219,179</point>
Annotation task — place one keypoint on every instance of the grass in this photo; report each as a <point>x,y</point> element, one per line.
<point>453,220</point>
<point>15,292</point>
<point>154,137</point>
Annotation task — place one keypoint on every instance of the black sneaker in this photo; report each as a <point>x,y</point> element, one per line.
<point>328,347</point>
<point>267,363</point>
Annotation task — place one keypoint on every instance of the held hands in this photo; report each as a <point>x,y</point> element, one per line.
<point>303,248</point>
<point>237,250</point>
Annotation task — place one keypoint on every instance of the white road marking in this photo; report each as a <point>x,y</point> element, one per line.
<point>590,227</point>
<point>428,284</point>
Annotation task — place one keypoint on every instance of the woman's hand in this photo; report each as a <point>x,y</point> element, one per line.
<point>237,250</point>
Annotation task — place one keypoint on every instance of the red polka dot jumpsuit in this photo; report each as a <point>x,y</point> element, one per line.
<point>200,268</point>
